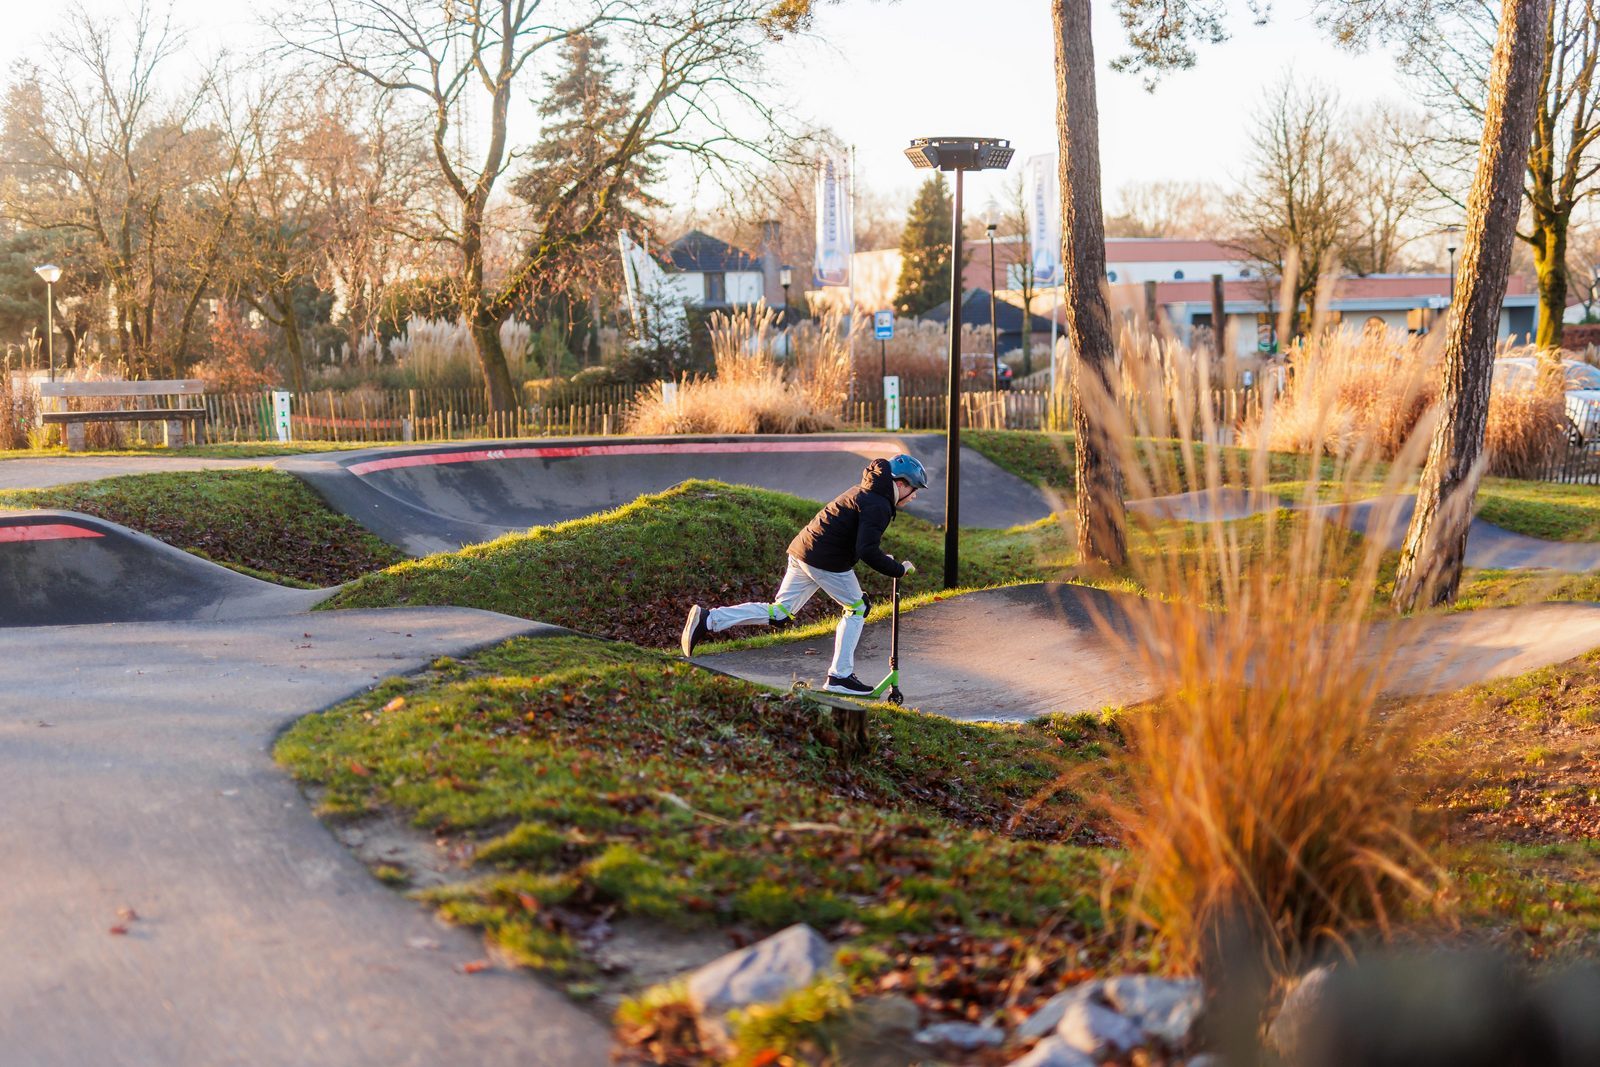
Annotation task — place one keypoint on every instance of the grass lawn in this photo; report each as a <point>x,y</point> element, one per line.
<point>1046,459</point>
<point>587,782</point>
<point>631,573</point>
<point>258,520</point>
<point>1542,509</point>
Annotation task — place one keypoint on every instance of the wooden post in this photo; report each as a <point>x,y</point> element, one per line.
<point>1219,319</point>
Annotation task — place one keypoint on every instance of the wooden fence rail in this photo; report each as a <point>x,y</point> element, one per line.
<point>456,414</point>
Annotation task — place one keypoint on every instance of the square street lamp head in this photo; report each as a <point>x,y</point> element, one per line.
<point>960,153</point>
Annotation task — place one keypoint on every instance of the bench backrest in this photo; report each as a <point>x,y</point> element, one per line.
<point>171,387</point>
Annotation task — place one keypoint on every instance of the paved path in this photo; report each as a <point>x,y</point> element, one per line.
<point>47,471</point>
<point>135,771</point>
<point>1010,654</point>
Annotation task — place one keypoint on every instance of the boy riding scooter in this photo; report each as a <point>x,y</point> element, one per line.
<point>823,556</point>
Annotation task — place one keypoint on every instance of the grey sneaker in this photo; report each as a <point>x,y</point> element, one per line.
<point>851,686</point>
<point>694,629</point>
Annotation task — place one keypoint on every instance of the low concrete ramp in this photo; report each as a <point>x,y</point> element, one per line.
<point>60,567</point>
<point>1012,653</point>
<point>1003,654</point>
<point>438,498</point>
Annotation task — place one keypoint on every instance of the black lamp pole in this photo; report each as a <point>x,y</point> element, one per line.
<point>958,154</point>
<point>994,323</point>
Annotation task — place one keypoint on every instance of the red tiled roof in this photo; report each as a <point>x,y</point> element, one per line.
<point>1167,249</point>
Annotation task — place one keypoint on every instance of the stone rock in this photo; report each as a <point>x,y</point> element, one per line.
<point>1048,1017</point>
<point>1301,1005</point>
<point>1053,1052</point>
<point>1096,1030</point>
<point>765,972</point>
<point>1164,1008</point>
<point>965,1036</point>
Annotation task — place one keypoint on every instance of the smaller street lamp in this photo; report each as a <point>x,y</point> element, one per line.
<point>51,274</point>
<point>994,323</point>
<point>785,277</point>
<point>1452,232</point>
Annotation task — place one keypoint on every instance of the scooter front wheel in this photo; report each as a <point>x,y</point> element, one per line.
<point>895,697</point>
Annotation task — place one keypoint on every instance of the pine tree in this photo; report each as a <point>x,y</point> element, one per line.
<point>586,114</point>
<point>925,250</point>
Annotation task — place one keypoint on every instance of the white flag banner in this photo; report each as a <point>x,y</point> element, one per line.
<point>835,227</point>
<point>1044,219</point>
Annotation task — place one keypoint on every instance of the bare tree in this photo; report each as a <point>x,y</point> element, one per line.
<point>1293,214</point>
<point>1184,209</point>
<point>94,149</point>
<point>697,65</point>
<point>1435,546</point>
<point>1386,190</point>
<point>1453,68</point>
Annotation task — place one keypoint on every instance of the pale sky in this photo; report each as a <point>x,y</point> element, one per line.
<point>887,72</point>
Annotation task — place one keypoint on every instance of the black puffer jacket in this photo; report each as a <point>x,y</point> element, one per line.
<point>848,530</point>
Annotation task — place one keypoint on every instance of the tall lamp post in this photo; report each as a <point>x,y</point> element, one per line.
<point>959,154</point>
<point>994,323</point>
<point>51,274</point>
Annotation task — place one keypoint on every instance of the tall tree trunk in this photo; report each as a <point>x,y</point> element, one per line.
<point>1102,533</point>
<point>1550,262</point>
<point>289,323</point>
<point>484,323</point>
<point>1436,543</point>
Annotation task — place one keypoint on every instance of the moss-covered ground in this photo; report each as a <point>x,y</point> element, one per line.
<point>591,781</point>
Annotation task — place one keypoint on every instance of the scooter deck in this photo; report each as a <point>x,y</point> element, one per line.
<point>837,700</point>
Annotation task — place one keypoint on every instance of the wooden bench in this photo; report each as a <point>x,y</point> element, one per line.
<point>181,423</point>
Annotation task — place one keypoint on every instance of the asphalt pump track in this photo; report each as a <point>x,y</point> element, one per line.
<point>440,498</point>
<point>1013,653</point>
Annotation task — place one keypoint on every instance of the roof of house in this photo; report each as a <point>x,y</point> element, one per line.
<point>697,251</point>
<point>975,312</point>
<point>1169,250</point>
<point>1348,289</point>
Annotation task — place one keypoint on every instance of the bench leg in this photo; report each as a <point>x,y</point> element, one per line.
<point>176,437</point>
<point>76,437</point>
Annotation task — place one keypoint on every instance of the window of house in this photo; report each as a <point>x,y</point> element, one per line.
<point>716,288</point>
<point>1177,275</point>
<point>1111,275</point>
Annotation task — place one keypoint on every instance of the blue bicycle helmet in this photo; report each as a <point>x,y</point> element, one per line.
<point>909,468</point>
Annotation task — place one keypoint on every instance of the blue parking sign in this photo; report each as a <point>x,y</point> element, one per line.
<point>883,325</point>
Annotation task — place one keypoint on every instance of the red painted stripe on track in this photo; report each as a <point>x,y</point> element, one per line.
<point>572,451</point>
<point>47,531</point>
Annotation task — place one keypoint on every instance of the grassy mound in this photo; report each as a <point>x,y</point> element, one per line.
<point>589,780</point>
<point>631,573</point>
<point>258,520</point>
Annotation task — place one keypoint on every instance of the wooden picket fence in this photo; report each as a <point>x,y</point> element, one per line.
<point>463,414</point>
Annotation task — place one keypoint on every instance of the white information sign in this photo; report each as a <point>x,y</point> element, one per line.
<point>669,393</point>
<point>280,413</point>
<point>891,402</point>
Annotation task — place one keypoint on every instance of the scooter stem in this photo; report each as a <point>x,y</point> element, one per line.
<point>894,624</point>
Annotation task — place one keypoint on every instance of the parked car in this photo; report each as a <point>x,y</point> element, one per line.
<point>1582,383</point>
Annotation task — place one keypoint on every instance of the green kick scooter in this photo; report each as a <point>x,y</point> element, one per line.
<point>889,688</point>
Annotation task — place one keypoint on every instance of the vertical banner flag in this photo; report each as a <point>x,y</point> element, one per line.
<point>835,227</point>
<point>1044,219</point>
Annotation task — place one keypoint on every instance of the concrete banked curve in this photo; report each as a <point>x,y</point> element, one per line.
<point>1012,653</point>
<point>62,568</point>
<point>439,498</point>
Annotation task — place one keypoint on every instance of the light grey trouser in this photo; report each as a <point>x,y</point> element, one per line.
<point>800,582</point>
